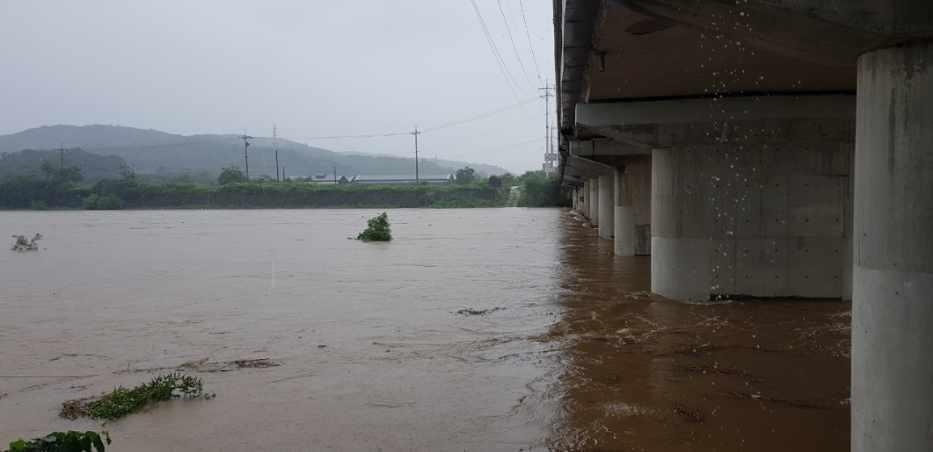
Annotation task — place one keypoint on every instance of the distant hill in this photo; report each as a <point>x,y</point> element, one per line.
<point>155,152</point>
<point>29,162</point>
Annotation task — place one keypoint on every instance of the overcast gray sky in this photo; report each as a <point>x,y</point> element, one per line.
<point>313,67</point>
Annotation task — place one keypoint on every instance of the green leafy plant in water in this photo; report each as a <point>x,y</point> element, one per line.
<point>123,401</point>
<point>377,229</point>
<point>70,441</point>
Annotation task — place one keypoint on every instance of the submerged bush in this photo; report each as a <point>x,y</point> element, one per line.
<point>70,441</point>
<point>377,230</point>
<point>122,401</point>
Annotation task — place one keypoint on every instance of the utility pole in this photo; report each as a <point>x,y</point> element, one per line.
<point>549,157</point>
<point>416,132</point>
<point>61,157</point>
<point>246,139</point>
<point>335,174</point>
<point>275,147</point>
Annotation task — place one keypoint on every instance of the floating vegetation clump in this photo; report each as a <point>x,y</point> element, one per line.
<point>472,311</point>
<point>21,243</point>
<point>70,441</point>
<point>377,230</point>
<point>123,401</point>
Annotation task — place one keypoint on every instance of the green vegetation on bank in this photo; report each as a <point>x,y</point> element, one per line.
<point>69,441</point>
<point>62,188</point>
<point>540,190</point>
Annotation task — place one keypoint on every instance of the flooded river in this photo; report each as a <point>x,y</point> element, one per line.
<point>475,329</point>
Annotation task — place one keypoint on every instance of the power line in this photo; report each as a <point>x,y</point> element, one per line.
<point>531,46</point>
<point>495,51</point>
<point>479,116</point>
<point>441,126</point>
<point>371,135</point>
<point>508,28</point>
<point>512,145</point>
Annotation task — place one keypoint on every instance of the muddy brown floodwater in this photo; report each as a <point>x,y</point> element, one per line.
<point>476,329</point>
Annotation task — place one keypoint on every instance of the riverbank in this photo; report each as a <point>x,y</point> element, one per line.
<point>114,195</point>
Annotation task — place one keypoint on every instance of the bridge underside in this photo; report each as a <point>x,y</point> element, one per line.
<point>779,148</point>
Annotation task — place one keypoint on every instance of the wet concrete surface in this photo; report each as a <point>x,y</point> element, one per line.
<point>476,329</point>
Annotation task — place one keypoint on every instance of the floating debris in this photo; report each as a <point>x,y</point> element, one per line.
<point>205,365</point>
<point>471,311</point>
<point>21,243</point>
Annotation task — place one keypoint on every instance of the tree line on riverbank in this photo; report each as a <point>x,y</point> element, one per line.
<point>63,188</point>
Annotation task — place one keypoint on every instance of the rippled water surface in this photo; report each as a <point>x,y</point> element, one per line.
<point>373,351</point>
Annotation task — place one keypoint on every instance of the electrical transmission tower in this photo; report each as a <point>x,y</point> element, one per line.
<point>416,132</point>
<point>275,148</point>
<point>246,139</point>
<point>550,157</point>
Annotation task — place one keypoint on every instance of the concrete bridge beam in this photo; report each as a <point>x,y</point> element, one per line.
<point>892,312</point>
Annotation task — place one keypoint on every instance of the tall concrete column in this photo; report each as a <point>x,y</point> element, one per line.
<point>753,206</point>
<point>624,220</point>
<point>583,198</point>
<point>594,201</point>
<point>606,206</point>
<point>582,203</point>
<point>892,311</point>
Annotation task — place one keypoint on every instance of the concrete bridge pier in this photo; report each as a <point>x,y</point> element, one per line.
<point>606,206</point>
<point>624,173</point>
<point>585,198</point>
<point>753,205</point>
<point>577,198</point>
<point>594,201</point>
<point>633,207</point>
<point>892,312</point>
<point>624,214</point>
<point>748,194</point>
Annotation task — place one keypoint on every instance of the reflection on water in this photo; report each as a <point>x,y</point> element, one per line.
<point>644,373</point>
<point>476,329</point>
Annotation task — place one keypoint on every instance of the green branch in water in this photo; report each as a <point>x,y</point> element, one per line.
<point>70,441</point>
<point>377,230</point>
<point>123,401</point>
